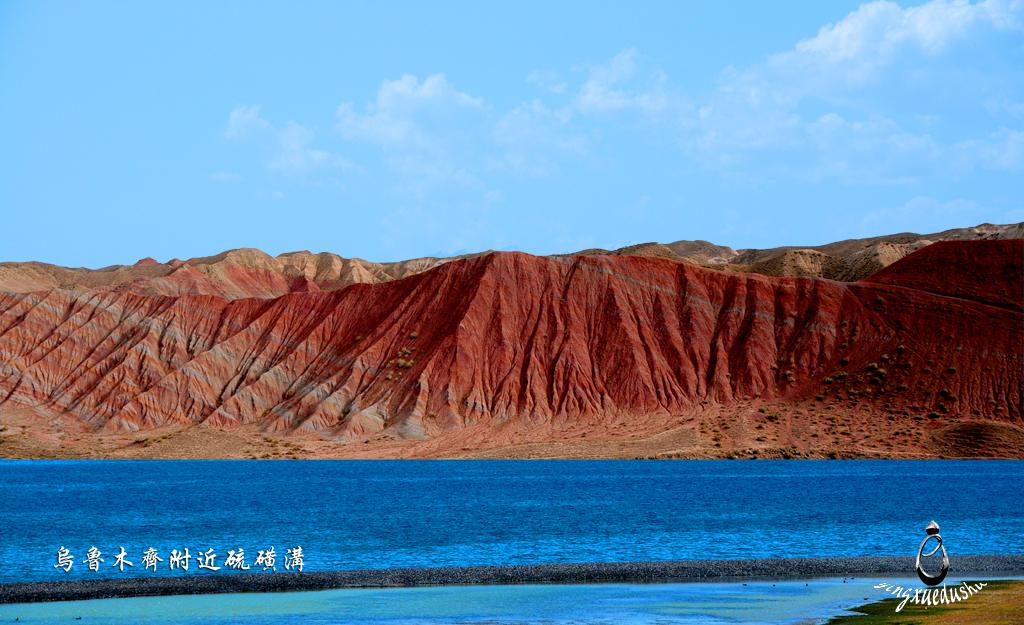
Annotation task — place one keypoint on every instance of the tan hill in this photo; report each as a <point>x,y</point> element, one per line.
<point>516,355</point>
<point>848,260</point>
<point>232,274</point>
<point>247,272</point>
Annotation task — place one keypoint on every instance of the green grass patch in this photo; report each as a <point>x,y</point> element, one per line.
<point>884,612</point>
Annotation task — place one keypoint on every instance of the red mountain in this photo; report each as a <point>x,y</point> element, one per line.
<point>586,352</point>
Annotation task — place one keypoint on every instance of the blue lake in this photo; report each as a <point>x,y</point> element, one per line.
<point>376,514</point>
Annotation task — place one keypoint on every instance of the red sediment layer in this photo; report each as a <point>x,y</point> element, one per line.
<point>510,337</point>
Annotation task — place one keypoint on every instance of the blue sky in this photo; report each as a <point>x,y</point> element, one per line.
<point>391,130</point>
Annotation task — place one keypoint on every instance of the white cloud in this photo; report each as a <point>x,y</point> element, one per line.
<point>427,130</point>
<point>398,114</point>
<point>289,146</point>
<point>294,154</point>
<point>873,35</point>
<point>763,109</point>
<point>532,139</point>
<point>243,122</point>
<point>613,87</point>
<point>864,150</point>
<point>829,107</point>
<point>432,134</point>
<point>1002,150</point>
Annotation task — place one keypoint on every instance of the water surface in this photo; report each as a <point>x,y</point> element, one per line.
<point>376,514</point>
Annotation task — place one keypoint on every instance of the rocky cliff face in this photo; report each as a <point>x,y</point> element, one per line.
<point>509,339</point>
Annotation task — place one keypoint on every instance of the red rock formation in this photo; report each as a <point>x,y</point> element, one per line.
<point>512,338</point>
<point>989,272</point>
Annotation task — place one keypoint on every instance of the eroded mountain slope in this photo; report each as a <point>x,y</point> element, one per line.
<point>526,345</point>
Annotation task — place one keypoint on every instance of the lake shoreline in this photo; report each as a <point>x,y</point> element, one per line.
<point>591,573</point>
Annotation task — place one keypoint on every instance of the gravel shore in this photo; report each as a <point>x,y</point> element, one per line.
<point>619,572</point>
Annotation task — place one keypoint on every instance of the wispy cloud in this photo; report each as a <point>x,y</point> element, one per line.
<point>923,214</point>
<point>819,110</point>
<point>1000,150</point>
<point>432,133</point>
<point>547,80</point>
<point>288,146</point>
<point>855,48</point>
<point>406,112</point>
<point>245,121</point>
<point>760,110</point>
<point>427,130</point>
<point>533,139</point>
<point>616,87</point>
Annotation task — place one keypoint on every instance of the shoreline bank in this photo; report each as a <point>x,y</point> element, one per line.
<point>591,573</point>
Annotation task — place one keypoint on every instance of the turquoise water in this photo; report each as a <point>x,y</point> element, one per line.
<point>619,604</point>
<point>370,514</point>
